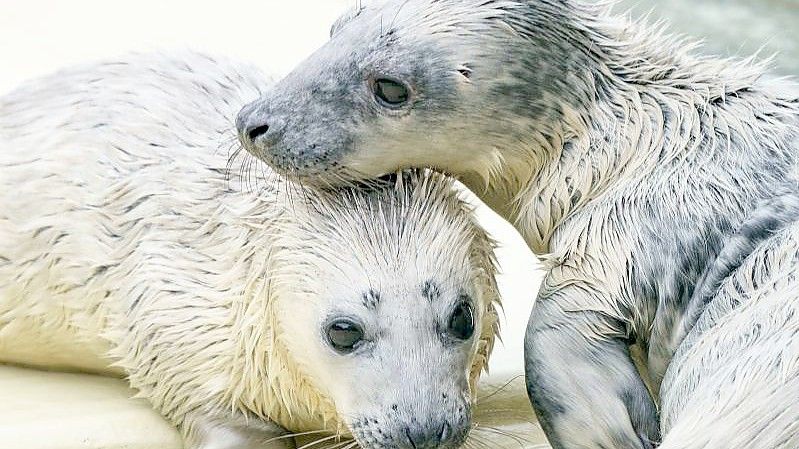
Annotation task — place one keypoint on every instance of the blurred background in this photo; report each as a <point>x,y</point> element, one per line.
<point>39,36</point>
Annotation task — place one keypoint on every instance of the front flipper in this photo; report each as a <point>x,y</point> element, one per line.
<point>583,383</point>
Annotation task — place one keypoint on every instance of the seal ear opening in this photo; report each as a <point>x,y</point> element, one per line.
<point>465,71</point>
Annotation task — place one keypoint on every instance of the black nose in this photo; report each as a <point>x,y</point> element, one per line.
<point>255,132</point>
<point>428,437</point>
<point>251,122</point>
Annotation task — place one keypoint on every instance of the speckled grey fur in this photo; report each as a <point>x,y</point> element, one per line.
<point>627,163</point>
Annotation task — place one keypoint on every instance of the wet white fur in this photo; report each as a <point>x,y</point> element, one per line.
<point>131,245</point>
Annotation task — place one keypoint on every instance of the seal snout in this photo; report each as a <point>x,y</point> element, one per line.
<point>428,437</point>
<point>254,127</point>
<point>276,138</point>
<point>400,430</point>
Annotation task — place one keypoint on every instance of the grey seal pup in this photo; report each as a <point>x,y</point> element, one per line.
<point>245,308</point>
<point>626,161</point>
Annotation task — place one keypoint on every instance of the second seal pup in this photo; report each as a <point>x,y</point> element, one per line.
<point>240,312</point>
<point>624,160</point>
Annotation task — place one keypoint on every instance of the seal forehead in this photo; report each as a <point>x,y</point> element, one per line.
<point>417,207</point>
<point>366,246</point>
<point>431,290</point>
<point>371,299</point>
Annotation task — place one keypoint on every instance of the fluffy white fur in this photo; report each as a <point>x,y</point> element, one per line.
<point>130,243</point>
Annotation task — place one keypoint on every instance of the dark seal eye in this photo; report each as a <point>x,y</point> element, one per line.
<point>461,323</point>
<point>391,93</point>
<point>344,336</point>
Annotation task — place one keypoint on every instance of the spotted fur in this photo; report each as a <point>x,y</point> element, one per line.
<point>431,291</point>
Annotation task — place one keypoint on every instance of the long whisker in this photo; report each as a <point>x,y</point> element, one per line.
<point>294,435</point>
<point>519,439</point>
<point>319,441</point>
<point>500,389</point>
<point>478,440</point>
<point>340,445</point>
<point>391,25</point>
<point>353,445</point>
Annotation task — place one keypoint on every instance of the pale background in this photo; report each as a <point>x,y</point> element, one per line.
<point>39,36</point>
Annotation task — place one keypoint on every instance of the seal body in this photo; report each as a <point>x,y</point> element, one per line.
<point>631,166</point>
<point>738,363</point>
<point>135,240</point>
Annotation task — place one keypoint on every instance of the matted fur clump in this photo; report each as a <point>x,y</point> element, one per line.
<point>130,243</point>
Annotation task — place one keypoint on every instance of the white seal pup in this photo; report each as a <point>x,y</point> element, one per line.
<point>625,161</point>
<point>237,312</point>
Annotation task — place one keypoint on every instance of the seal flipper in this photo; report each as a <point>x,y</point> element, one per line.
<point>583,384</point>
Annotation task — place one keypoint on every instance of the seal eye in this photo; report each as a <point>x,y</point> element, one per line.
<point>461,323</point>
<point>344,336</point>
<point>391,93</point>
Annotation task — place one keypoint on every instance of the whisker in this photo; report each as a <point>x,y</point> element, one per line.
<point>319,441</point>
<point>353,445</point>
<point>294,435</point>
<point>500,389</point>
<point>340,445</point>
<point>474,444</point>
<point>479,440</point>
<point>519,439</point>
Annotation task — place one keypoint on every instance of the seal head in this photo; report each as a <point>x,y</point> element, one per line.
<point>454,85</point>
<point>385,308</point>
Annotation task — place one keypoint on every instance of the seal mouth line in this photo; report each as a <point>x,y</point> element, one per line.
<point>410,439</point>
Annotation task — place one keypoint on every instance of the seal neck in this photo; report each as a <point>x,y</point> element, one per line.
<point>651,98</point>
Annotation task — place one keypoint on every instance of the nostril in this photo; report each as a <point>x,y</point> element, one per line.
<point>257,132</point>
